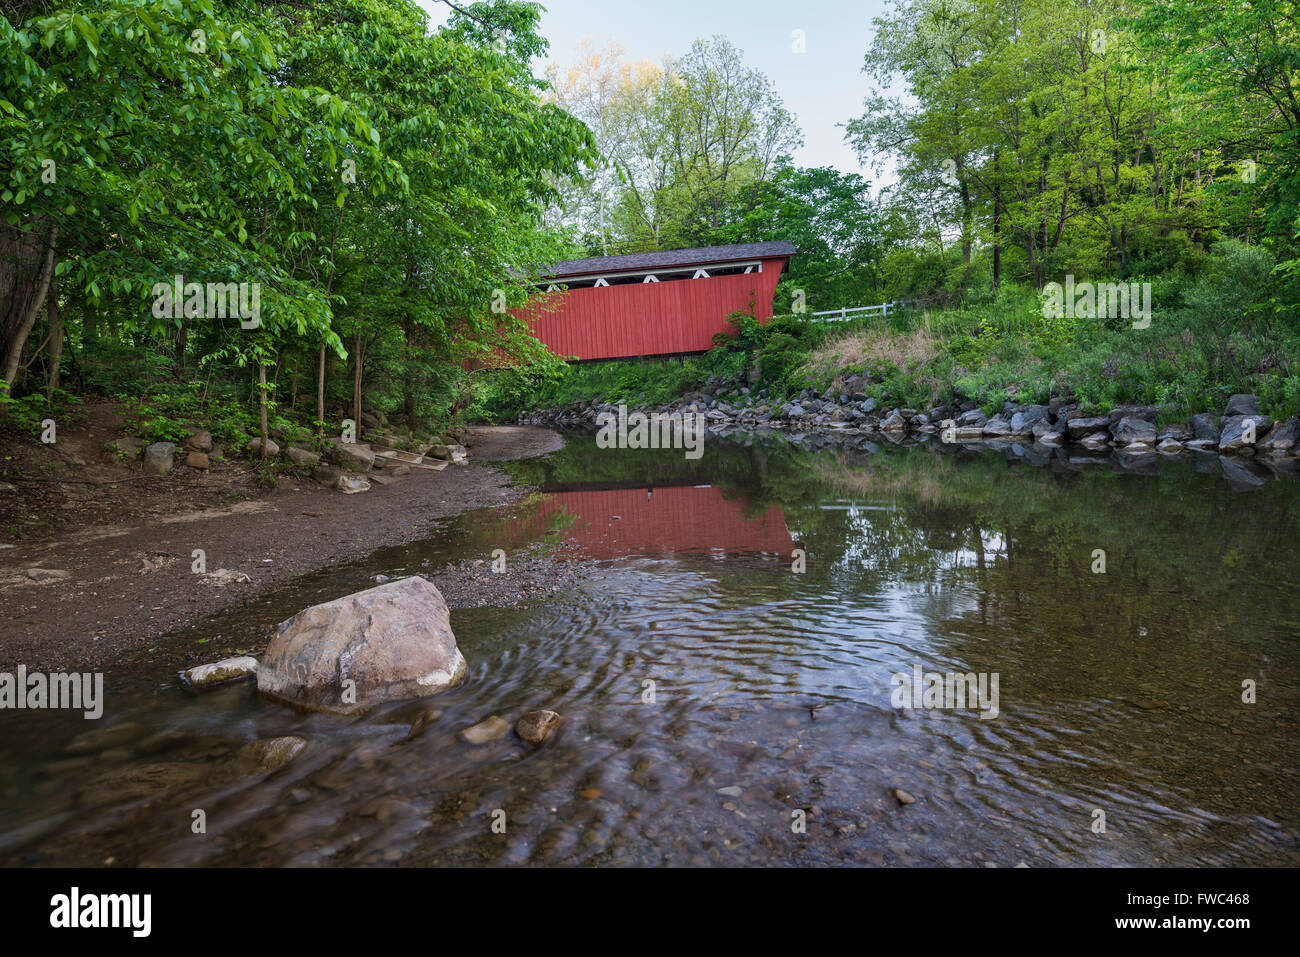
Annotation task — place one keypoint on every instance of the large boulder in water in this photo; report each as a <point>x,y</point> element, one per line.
<point>350,654</point>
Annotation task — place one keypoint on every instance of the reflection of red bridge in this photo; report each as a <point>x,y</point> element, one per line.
<point>650,521</point>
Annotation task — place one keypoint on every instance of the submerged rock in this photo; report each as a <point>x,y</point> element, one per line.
<point>422,722</point>
<point>485,731</point>
<point>347,655</point>
<point>536,726</point>
<point>272,753</point>
<point>202,677</point>
<point>101,738</point>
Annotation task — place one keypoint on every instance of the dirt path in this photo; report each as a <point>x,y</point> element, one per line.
<point>120,584</point>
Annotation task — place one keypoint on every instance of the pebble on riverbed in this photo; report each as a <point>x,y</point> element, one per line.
<point>486,731</point>
<point>273,753</point>
<point>422,722</point>
<point>536,726</point>
<point>903,797</point>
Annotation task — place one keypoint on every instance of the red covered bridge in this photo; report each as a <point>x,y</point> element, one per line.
<point>654,304</point>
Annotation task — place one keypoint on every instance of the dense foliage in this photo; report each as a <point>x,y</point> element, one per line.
<point>381,185</point>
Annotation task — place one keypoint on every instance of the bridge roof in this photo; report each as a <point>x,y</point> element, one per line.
<point>706,255</point>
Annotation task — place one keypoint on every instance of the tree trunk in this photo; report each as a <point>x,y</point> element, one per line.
<point>26,269</point>
<point>408,391</point>
<point>182,338</point>
<point>356,385</point>
<point>997,224</point>
<point>261,388</point>
<point>56,343</point>
<point>320,390</point>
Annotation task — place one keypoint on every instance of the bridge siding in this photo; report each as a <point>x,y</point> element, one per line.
<point>647,319</point>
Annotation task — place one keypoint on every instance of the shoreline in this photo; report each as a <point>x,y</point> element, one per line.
<point>122,587</point>
<point>1241,440</point>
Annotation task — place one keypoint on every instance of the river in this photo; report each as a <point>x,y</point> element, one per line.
<point>734,670</point>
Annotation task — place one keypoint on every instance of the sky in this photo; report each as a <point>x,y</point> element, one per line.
<point>822,86</point>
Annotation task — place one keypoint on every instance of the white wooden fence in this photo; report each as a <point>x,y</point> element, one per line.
<point>882,310</point>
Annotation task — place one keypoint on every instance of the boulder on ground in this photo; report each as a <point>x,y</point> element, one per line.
<point>894,422</point>
<point>348,655</point>
<point>199,441</point>
<point>1241,404</point>
<point>46,574</point>
<point>351,484</point>
<point>326,474</point>
<point>1145,412</point>
<point>160,457</point>
<point>354,457</point>
<point>198,460</point>
<point>997,426</point>
<point>202,677</point>
<point>255,448</point>
<point>1206,426</point>
<point>301,457</point>
<point>1080,427</point>
<point>128,446</point>
<point>1241,432</point>
<point>1023,419</point>
<point>1131,429</point>
<point>1283,437</point>
<point>455,454</point>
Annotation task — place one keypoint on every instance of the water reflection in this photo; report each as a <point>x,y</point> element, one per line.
<point>612,523</point>
<point>711,691</point>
